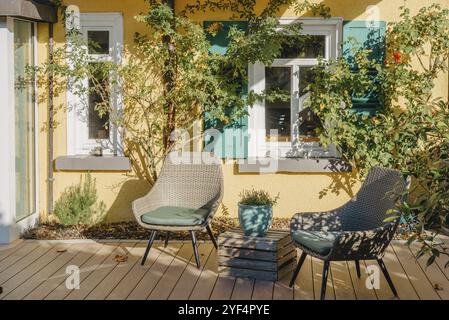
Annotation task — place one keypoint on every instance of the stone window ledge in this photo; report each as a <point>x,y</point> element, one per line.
<point>294,165</point>
<point>92,163</point>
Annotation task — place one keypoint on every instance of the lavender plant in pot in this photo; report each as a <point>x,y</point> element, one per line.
<point>256,212</point>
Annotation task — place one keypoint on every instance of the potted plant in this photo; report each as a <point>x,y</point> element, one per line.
<point>256,212</point>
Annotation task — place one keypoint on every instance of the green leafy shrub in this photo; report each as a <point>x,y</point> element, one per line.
<point>257,198</point>
<point>78,204</point>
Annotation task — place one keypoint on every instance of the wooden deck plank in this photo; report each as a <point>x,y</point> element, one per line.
<point>132,279</point>
<point>8,249</point>
<point>281,289</point>
<point>414,272</point>
<point>383,292</point>
<point>191,274</point>
<point>444,239</point>
<point>44,274</point>
<point>102,290</point>
<point>60,292</point>
<point>442,260</point>
<point>33,268</point>
<point>23,253</point>
<point>317,267</point>
<point>344,290</point>
<point>223,288</point>
<point>304,289</point>
<point>263,290</point>
<point>155,273</point>
<point>436,277</point>
<point>402,283</point>
<point>243,289</point>
<point>99,272</point>
<point>60,276</point>
<point>206,281</point>
<point>171,276</point>
<point>359,285</point>
<point>368,264</point>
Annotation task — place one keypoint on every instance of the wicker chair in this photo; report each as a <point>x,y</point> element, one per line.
<point>185,197</point>
<point>356,231</point>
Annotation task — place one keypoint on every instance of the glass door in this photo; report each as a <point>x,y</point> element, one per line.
<point>25,148</point>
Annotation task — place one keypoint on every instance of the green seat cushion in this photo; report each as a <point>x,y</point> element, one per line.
<point>175,216</point>
<point>320,242</point>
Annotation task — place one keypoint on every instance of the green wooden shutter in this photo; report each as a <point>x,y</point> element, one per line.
<point>232,143</point>
<point>367,35</point>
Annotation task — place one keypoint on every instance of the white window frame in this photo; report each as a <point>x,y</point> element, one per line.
<point>78,142</point>
<point>257,146</point>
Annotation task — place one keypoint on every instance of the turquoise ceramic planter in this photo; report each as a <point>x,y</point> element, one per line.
<point>255,220</point>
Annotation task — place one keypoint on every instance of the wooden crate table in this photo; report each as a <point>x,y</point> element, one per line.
<point>266,258</point>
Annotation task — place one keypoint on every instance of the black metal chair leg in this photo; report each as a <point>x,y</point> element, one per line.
<point>357,268</point>
<point>387,276</point>
<point>324,280</point>
<point>298,267</point>
<point>211,235</point>
<point>150,243</point>
<point>167,235</point>
<point>195,248</point>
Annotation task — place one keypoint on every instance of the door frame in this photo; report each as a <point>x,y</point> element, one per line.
<point>10,227</point>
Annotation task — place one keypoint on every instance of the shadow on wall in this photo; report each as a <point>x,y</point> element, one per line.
<point>130,190</point>
<point>341,182</point>
<point>349,10</point>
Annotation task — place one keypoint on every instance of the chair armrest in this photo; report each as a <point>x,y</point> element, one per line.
<point>213,206</point>
<point>316,221</point>
<point>151,201</point>
<point>367,244</point>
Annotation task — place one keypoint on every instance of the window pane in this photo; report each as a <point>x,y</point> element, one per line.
<point>24,121</point>
<point>98,100</point>
<point>304,47</point>
<point>306,76</point>
<point>98,42</point>
<point>277,113</point>
<point>308,121</point>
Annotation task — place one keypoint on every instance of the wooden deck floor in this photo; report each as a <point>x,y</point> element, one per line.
<point>37,270</point>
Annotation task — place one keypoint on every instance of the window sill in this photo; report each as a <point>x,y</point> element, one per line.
<point>293,165</point>
<point>92,163</point>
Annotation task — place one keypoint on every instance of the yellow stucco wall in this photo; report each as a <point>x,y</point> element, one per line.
<point>298,192</point>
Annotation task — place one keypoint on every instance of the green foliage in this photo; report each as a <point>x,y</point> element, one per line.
<point>78,204</point>
<point>317,9</point>
<point>411,132</point>
<point>257,198</point>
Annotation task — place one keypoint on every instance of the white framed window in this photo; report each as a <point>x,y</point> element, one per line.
<point>292,123</point>
<point>86,129</point>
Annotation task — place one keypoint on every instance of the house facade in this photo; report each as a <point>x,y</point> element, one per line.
<point>38,163</point>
